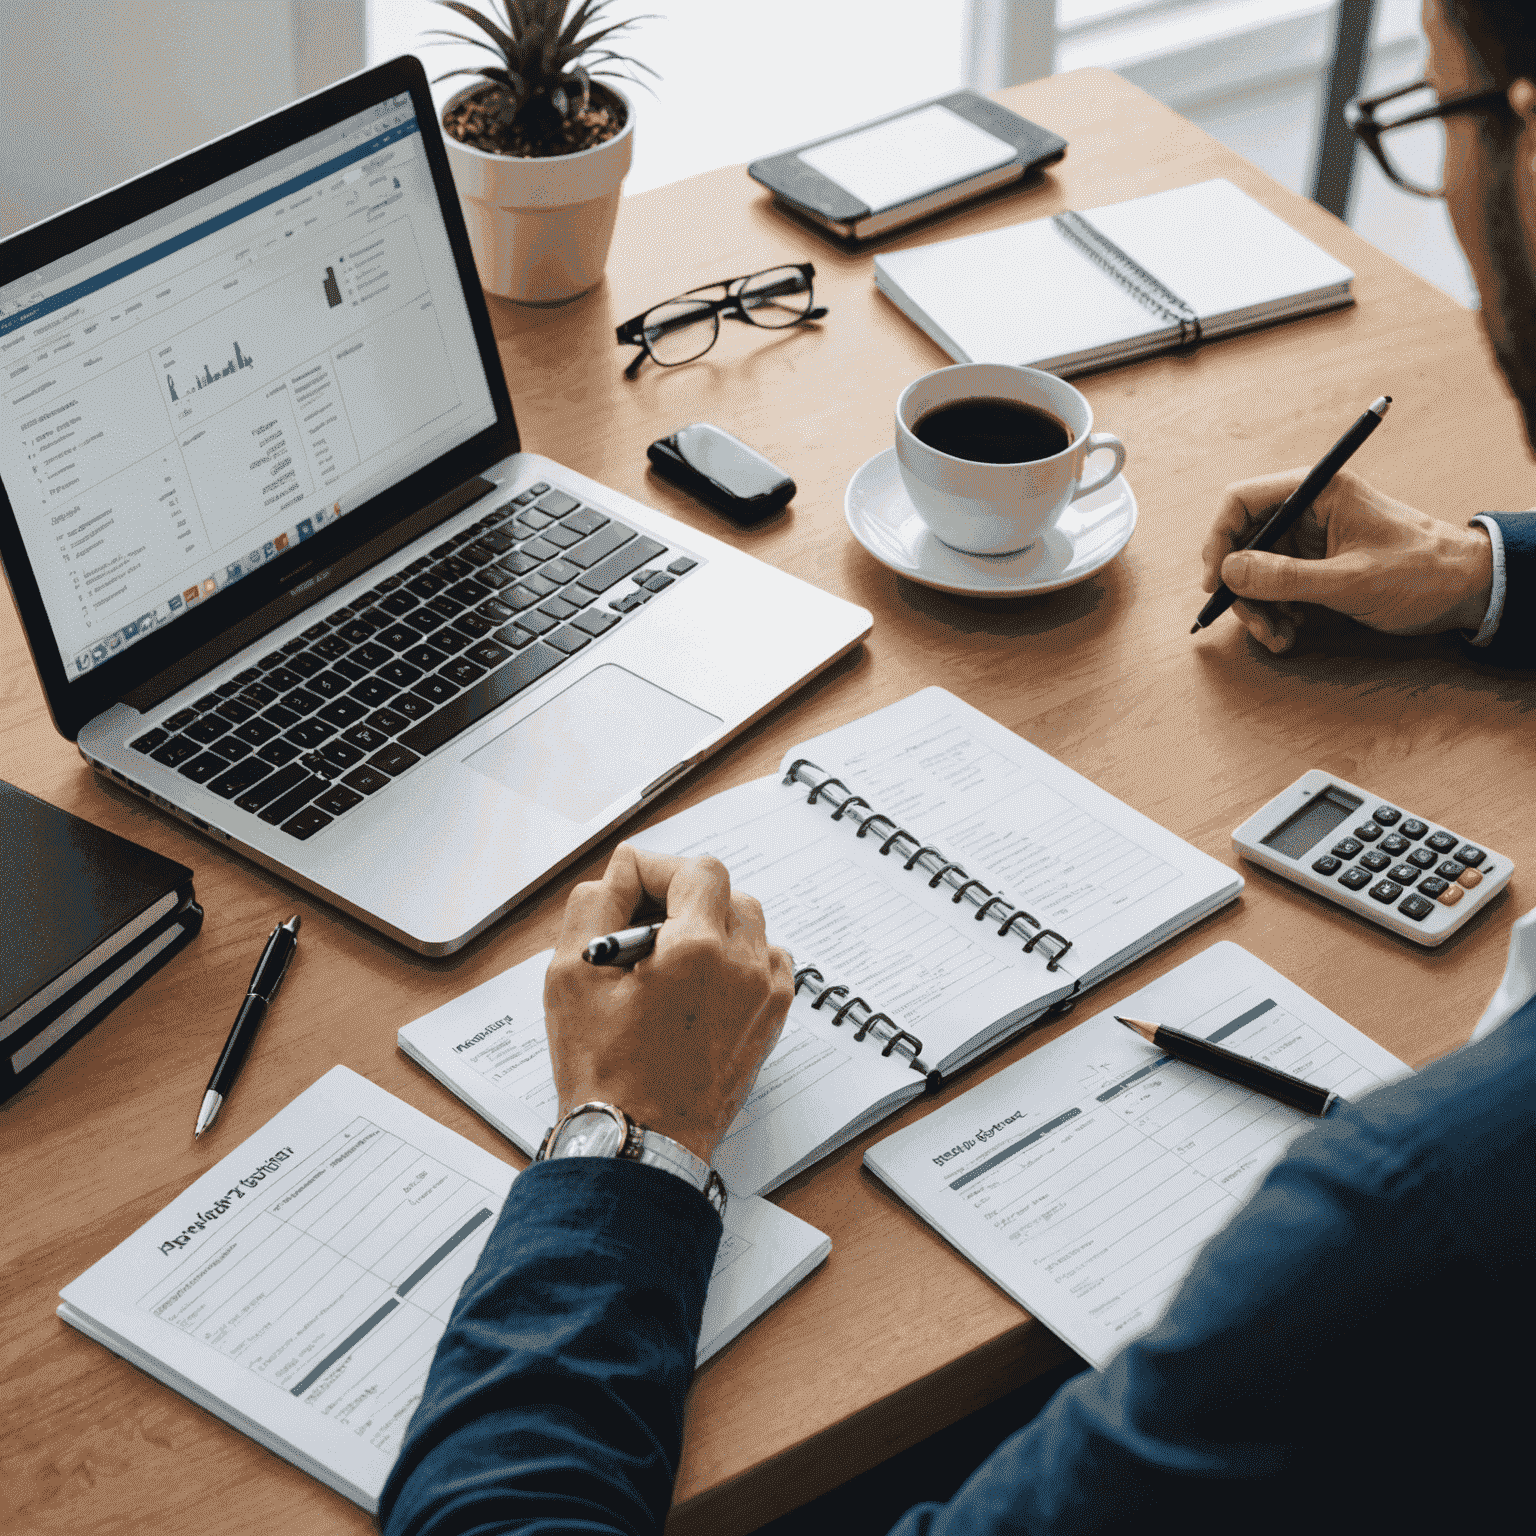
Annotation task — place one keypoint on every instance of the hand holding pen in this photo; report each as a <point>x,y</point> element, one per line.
<point>1356,551</point>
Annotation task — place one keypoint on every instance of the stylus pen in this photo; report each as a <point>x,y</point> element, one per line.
<point>1285,515</point>
<point>269,973</point>
<point>1242,1070</point>
<point>622,948</point>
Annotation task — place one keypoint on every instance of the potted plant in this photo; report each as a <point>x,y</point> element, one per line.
<point>540,147</point>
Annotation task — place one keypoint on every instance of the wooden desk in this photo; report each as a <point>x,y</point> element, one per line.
<point>895,1335</point>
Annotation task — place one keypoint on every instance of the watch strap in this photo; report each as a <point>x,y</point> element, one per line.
<point>641,1145</point>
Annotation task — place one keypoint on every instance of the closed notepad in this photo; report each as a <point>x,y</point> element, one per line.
<point>1084,290</point>
<point>77,898</point>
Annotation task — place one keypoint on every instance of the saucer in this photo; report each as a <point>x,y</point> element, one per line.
<point>1089,535</point>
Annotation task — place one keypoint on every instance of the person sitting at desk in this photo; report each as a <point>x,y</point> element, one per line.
<point>1358,551</point>
<point>1349,1354</point>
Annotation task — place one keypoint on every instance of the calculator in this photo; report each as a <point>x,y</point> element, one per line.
<point>1420,878</point>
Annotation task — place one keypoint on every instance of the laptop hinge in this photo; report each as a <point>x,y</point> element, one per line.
<point>249,630</point>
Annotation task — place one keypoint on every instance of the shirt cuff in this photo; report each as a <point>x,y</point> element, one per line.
<point>1495,613</point>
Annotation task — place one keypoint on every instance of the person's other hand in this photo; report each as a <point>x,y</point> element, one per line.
<point>1356,551</point>
<point>677,1039</point>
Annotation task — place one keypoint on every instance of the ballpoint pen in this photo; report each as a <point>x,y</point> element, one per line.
<point>269,973</point>
<point>1242,1070</point>
<point>1284,517</point>
<point>622,948</point>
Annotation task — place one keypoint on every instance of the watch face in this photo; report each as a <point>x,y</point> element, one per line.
<point>592,1134</point>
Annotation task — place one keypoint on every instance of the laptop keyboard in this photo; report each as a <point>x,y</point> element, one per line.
<point>337,713</point>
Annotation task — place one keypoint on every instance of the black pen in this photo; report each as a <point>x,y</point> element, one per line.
<point>1285,515</point>
<point>1242,1070</point>
<point>622,948</point>
<point>269,973</point>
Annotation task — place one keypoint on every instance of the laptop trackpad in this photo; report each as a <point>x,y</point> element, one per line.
<point>607,735</point>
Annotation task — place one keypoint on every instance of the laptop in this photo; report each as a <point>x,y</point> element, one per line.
<point>285,568</point>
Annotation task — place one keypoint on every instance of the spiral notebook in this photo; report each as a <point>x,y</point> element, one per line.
<point>1109,285</point>
<point>941,884</point>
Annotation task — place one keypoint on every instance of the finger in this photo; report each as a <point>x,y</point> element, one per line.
<point>633,882</point>
<point>750,924</point>
<point>1271,578</point>
<point>1266,625</point>
<point>698,900</point>
<point>1241,513</point>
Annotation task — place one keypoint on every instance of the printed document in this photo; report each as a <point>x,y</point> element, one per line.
<point>1086,1178</point>
<point>298,1289</point>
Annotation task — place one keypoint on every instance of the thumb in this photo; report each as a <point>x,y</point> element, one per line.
<point>1265,577</point>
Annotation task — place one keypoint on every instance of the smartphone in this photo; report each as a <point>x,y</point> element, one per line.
<point>722,472</point>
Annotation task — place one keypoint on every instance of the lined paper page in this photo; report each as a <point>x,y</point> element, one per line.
<point>1086,1178</point>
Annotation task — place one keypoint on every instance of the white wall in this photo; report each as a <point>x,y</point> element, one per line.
<point>91,94</point>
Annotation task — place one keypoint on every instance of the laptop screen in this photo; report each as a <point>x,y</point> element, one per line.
<point>188,399</point>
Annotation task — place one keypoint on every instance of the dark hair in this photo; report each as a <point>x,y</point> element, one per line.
<point>1502,33</point>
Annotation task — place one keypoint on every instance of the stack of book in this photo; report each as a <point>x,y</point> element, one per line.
<point>89,916</point>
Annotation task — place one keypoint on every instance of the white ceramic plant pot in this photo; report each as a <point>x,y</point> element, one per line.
<point>540,228</point>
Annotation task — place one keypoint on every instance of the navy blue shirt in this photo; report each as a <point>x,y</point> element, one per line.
<point>1353,1352</point>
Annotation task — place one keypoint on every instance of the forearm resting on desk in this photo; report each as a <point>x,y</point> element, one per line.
<point>556,1398</point>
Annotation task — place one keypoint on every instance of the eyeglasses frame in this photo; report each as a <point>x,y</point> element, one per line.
<point>632,332</point>
<point>1360,116</point>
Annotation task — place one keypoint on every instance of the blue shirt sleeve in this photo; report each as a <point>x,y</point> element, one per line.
<point>1340,1357</point>
<point>555,1400</point>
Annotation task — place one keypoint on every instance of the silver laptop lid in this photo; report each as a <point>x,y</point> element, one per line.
<point>231,384</point>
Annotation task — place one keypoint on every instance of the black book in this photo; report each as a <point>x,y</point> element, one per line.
<point>883,174</point>
<point>89,916</point>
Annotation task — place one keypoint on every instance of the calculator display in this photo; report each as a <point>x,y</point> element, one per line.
<point>1301,830</point>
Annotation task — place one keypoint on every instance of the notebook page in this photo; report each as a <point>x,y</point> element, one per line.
<point>862,920</point>
<point>489,1046</point>
<point>1086,1178</point>
<point>1072,855</point>
<point>1218,249</point>
<point>1025,294</point>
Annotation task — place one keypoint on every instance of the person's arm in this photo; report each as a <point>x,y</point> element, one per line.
<point>555,1400</point>
<point>1356,551</point>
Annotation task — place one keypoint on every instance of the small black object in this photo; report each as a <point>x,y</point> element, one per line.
<point>722,472</point>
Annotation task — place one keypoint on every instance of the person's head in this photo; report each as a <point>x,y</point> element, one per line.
<point>1490,169</point>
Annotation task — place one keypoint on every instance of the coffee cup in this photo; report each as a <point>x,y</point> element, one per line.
<point>957,430</point>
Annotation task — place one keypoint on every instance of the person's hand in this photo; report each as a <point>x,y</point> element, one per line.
<point>677,1039</point>
<point>1356,551</point>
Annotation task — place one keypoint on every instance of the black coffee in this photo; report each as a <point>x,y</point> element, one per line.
<point>988,431</point>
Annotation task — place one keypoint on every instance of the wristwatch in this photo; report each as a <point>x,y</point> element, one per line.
<point>596,1129</point>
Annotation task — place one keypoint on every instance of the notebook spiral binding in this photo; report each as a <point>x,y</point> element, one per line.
<point>931,862</point>
<point>855,1011</point>
<point>1134,278</point>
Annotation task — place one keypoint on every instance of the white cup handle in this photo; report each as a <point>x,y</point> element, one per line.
<point>1097,440</point>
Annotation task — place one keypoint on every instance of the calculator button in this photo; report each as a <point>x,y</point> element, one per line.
<point>1394,844</point>
<point>1354,878</point>
<point>1433,886</point>
<point>1346,849</point>
<point>1416,907</point>
<point>1451,895</point>
<point>1413,829</point>
<point>1441,842</point>
<point>1466,853</point>
<point>1404,874</point>
<point>1368,832</point>
<point>1386,815</point>
<point>1374,861</point>
<point>1384,890</point>
<point>1469,878</point>
<point>1327,864</point>
<point>1422,857</point>
<point>1450,870</point>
